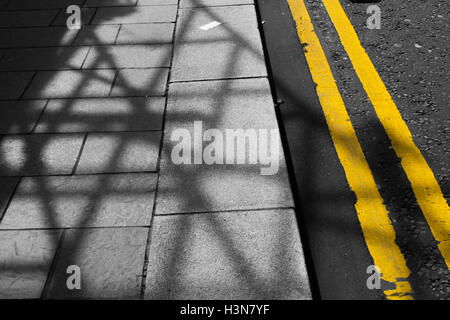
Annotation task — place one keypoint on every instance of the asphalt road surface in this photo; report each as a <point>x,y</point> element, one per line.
<point>366,123</point>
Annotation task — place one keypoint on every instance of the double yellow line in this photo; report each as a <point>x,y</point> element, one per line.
<point>373,216</point>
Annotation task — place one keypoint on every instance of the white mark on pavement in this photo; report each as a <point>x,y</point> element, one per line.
<point>210,25</point>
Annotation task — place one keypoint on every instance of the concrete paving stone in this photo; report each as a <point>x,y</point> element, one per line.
<point>20,116</point>
<point>82,201</point>
<point>110,261</point>
<point>36,37</point>
<point>97,35</point>
<point>124,15</point>
<point>151,33</point>
<point>13,84</point>
<point>71,84</point>
<point>120,152</point>
<point>126,56</point>
<point>109,3</point>
<point>157,2</point>
<point>25,260</point>
<point>43,59</point>
<point>141,82</point>
<point>12,19</point>
<point>232,49</point>
<point>86,16</point>
<point>41,4</point>
<point>226,104</point>
<point>109,114</point>
<point>212,3</point>
<point>7,186</point>
<point>233,255</point>
<point>28,155</point>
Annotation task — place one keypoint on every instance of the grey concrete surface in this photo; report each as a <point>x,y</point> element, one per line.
<point>212,3</point>
<point>151,33</point>
<point>232,255</point>
<point>71,84</point>
<point>7,187</point>
<point>13,84</point>
<point>140,82</point>
<point>20,116</point>
<point>38,18</point>
<point>124,15</point>
<point>19,251</point>
<point>110,262</point>
<point>229,50</point>
<point>39,154</point>
<point>36,37</point>
<point>120,152</point>
<point>97,35</point>
<point>136,56</point>
<point>225,104</point>
<point>44,59</point>
<point>99,114</point>
<point>82,201</point>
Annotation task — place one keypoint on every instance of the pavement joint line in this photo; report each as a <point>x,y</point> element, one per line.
<point>218,79</point>
<point>53,264</point>
<point>40,117</point>
<point>85,57</point>
<point>2,214</point>
<point>158,163</point>
<point>113,82</point>
<point>73,132</point>
<point>21,97</point>
<point>222,211</point>
<point>54,18</point>
<point>373,216</point>
<point>77,161</point>
<point>117,35</point>
<point>74,69</point>
<point>78,228</point>
<point>75,175</point>
<point>423,182</point>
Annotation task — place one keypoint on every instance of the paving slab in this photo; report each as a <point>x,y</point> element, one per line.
<point>229,50</point>
<point>141,82</point>
<point>212,3</point>
<point>7,186</point>
<point>41,4</point>
<point>225,104</point>
<point>82,201</point>
<point>97,35</point>
<point>71,84</point>
<point>43,59</point>
<point>109,3</point>
<point>157,2</point>
<point>232,255</point>
<point>29,155</point>
<point>36,37</point>
<point>124,15</point>
<point>150,33</point>
<point>38,18</point>
<point>110,261</point>
<point>25,260</point>
<point>20,116</point>
<point>86,16</point>
<point>129,56</point>
<point>120,152</point>
<point>13,84</point>
<point>104,114</point>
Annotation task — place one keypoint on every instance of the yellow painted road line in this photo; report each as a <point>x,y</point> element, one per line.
<point>373,216</point>
<point>426,189</point>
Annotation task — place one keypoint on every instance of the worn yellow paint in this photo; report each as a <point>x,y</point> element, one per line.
<point>373,216</point>
<point>426,189</point>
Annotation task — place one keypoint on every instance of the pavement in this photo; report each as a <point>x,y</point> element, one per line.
<point>89,190</point>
